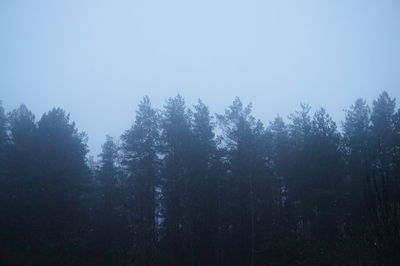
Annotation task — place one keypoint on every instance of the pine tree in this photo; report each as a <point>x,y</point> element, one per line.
<point>251,193</point>
<point>108,173</point>
<point>356,144</point>
<point>328,183</point>
<point>202,189</point>
<point>6,220</point>
<point>20,185</point>
<point>176,140</point>
<point>383,193</point>
<point>141,160</point>
<point>313,178</point>
<point>3,141</point>
<point>109,234</point>
<point>63,176</point>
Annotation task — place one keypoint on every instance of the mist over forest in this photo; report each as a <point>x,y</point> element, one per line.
<point>183,186</point>
<point>122,141</point>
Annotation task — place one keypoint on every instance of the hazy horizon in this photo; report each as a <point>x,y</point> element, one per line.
<point>97,59</point>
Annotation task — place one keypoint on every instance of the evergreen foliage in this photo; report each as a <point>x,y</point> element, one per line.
<point>172,191</point>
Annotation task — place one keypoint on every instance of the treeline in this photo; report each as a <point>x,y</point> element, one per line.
<point>171,191</point>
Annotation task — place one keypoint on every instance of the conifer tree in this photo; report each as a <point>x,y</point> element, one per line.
<point>201,209</point>
<point>20,184</point>
<point>141,160</point>
<point>356,143</point>
<point>108,221</point>
<point>176,139</point>
<point>251,182</point>
<point>63,177</point>
<point>383,193</point>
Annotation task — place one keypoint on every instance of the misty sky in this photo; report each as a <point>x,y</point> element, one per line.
<point>97,59</point>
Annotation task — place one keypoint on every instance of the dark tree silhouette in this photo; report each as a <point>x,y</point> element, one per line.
<point>176,140</point>
<point>383,193</point>
<point>140,151</point>
<point>21,189</point>
<point>185,189</point>
<point>109,236</point>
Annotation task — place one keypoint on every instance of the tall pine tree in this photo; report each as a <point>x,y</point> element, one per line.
<point>141,160</point>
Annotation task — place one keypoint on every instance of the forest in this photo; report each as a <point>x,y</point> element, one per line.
<point>183,186</point>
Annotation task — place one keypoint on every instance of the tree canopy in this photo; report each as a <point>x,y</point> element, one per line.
<point>184,187</point>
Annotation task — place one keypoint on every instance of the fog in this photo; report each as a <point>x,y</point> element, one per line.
<point>97,59</point>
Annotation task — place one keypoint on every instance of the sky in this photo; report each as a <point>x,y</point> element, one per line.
<point>97,59</point>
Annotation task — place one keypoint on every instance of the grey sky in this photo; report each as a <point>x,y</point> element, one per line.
<point>97,59</point>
